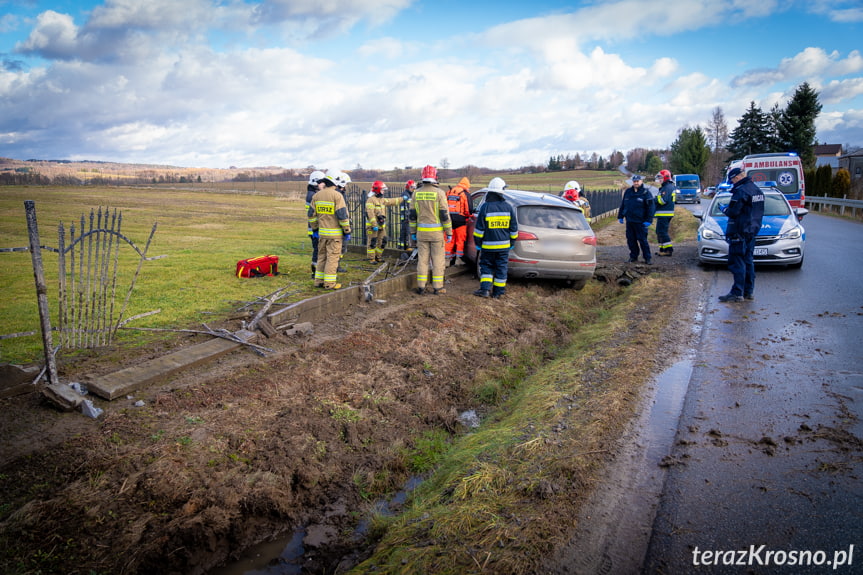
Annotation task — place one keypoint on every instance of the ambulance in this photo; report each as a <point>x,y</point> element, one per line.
<point>785,169</point>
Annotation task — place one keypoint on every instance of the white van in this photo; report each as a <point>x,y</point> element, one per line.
<point>785,169</point>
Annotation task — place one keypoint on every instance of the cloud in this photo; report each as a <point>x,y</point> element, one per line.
<point>840,11</point>
<point>840,90</point>
<point>323,18</point>
<point>810,63</point>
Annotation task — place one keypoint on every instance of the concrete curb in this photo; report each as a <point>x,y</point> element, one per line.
<point>125,381</point>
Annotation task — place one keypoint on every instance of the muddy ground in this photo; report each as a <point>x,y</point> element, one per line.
<point>240,450</point>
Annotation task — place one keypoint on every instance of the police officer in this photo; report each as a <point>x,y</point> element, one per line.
<point>745,211</point>
<point>637,208</point>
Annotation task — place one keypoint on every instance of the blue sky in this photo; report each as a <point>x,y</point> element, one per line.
<point>385,83</point>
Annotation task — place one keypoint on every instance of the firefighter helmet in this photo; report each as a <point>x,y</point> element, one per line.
<point>316,177</point>
<point>340,178</point>
<point>410,185</point>
<point>496,185</point>
<point>663,176</point>
<point>379,187</point>
<point>571,190</point>
<point>429,174</point>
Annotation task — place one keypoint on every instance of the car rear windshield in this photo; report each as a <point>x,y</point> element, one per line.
<point>774,205</point>
<point>552,217</point>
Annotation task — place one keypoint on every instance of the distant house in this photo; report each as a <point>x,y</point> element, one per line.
<point>853,162</point>
<point>827,155</point>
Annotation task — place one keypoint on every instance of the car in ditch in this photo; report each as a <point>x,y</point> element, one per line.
<point>555,240</point>
<point>780,241</point>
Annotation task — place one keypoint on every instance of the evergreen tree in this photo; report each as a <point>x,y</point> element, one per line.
<point>751,134</point>
<point>797,124</point>
<point>689,153</point>
<point>774,137</point>
<point>654,164</point>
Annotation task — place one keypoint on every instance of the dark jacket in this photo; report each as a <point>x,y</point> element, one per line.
<point>496,227</point>
<point>745,210</point>
<point>637,206</point>
<point>665,200</point>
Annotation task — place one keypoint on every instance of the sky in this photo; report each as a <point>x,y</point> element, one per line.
<point>393,83</point>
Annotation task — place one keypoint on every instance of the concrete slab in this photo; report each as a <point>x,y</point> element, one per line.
<point>132,378</point>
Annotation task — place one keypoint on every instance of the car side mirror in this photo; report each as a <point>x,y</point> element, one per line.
<point>800,212</point>
<point>699,215</point>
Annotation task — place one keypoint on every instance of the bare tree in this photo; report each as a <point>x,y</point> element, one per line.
<point>717,140</point>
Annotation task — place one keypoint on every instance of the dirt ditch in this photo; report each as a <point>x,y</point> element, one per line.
<point>232,453</point>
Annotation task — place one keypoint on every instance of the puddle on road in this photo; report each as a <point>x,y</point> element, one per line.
<point>664,415</point>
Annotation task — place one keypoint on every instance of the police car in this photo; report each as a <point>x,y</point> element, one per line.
<point>780,241</point>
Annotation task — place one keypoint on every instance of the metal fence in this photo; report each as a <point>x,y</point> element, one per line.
<point>602,202</point>
<point>818,203</point>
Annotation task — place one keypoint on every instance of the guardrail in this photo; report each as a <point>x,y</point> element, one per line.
<point>832,203</point>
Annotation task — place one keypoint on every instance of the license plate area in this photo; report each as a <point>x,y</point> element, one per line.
<point>760,251</point>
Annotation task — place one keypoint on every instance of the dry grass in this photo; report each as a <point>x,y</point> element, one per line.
<point>509,492</point>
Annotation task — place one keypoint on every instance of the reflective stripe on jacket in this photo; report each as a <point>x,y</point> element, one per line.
<point>429,217</point>
<point>665,200</point>
<point>328,214</point>
<point>496,227</point>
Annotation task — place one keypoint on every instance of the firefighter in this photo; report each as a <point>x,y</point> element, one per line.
<point>376,221</point>
<point>664,212</point>
<point>342,180</point>
<point>572,192</point>
<point>331,225</point>
<point>430,229</point>
<point>404,209</point>
<point>314,187</point>
<point>458,204</point>
<point>495,231</point>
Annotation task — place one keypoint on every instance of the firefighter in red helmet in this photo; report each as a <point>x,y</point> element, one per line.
<point>431,228</point>
<point>376,221</point>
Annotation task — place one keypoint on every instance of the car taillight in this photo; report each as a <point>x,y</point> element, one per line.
<point>589,240</point>
<point>526,236</point>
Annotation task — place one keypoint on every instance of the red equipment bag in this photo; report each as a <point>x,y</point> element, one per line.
<point>258,267</point>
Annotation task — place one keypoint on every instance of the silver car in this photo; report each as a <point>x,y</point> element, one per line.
<point>780,241</point>
<point>555,240</point>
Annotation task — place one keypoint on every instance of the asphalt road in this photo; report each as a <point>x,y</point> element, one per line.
<point>767,461</point>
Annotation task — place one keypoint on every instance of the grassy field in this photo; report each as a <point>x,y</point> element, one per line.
<point>203,229</point>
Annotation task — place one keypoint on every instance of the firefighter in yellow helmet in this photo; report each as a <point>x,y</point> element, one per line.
<point>376,221</point>
<point>430,229</point>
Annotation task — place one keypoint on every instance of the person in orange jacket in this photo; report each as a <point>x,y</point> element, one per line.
<point>458,203</point>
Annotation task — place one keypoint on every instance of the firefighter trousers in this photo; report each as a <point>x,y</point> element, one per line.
<point>430,253</point>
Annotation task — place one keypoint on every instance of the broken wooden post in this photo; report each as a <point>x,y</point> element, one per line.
<point>41,289</point>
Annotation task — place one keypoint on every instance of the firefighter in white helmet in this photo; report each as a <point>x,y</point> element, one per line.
<point>431,228</point>
<point>330,222</point>
<point>313,187</point>
<point>572,192</point>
